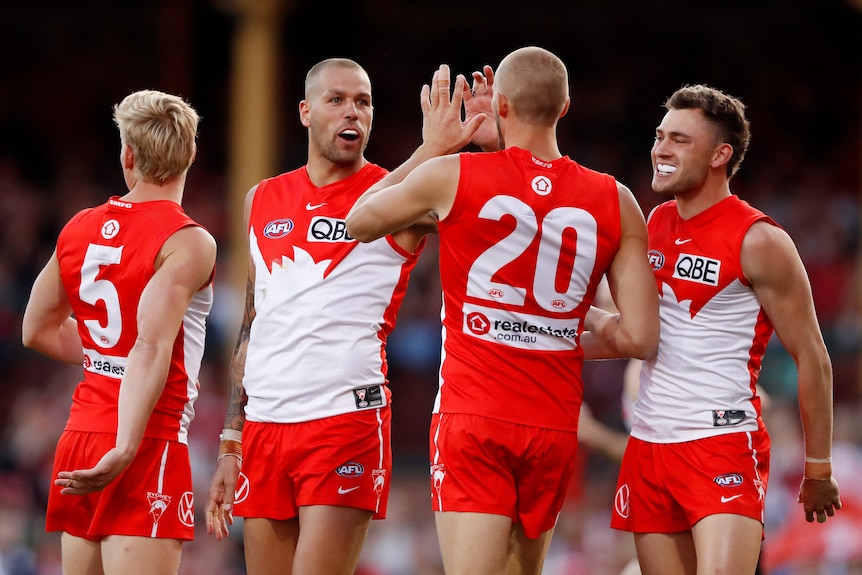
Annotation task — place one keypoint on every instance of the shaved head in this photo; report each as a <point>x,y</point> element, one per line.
<point>536,84</point>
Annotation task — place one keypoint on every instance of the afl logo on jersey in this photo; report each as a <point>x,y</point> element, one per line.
<point>278,228</point>
<point>110,229</point>
<point>656,260</point>
<point>541,185</point>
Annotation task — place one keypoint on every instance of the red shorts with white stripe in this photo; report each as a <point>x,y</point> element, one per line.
<point>668,487</point>
<point>344,460</point>
<point>153,497</point>
<point>485,465</point>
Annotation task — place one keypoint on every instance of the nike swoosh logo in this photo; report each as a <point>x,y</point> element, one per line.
<point>342,491</point>
<point>731,498</point>
<point>310,206</point>
<point>679,242</point>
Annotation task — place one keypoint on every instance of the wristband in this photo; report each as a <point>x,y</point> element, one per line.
<point>229,447</point>
<point>231,435</point>
<point>806,478</point>
<point>223,455</point>
<point>817,460</point>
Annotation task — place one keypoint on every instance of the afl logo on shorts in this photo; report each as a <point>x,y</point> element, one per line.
<point>656,260</point>
<point>350,469</point>
<point>278,228</point>
<point>728,480</point>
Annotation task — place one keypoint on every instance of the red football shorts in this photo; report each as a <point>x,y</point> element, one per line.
<point>152,497</point>
<point>344,460</point>
<point>668,487</point>
<point>484,465</point>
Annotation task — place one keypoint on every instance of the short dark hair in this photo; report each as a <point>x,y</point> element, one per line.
<point>724,112</point>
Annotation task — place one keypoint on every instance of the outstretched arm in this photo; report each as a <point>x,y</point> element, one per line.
<point>772,264</point>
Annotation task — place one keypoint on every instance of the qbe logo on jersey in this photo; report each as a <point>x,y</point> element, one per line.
<point>698,269</point>
<point>323,229</point>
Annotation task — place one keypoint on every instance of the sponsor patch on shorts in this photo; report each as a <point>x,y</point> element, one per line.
<point>366,397</point>
<point>722,417</point>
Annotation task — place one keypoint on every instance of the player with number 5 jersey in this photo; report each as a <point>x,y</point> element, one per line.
<point>526,235</point>
<point>126,294</point>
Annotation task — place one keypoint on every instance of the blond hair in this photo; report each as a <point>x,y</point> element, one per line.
<point>161,130</point>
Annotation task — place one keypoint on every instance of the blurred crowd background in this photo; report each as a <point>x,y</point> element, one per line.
<point>796,64</point>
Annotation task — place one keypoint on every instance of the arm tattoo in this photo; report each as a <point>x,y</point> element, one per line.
<point>235,418</point>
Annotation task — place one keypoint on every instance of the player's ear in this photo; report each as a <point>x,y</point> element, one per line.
<point>722,155</point>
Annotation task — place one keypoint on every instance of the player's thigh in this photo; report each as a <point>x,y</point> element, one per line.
<point>527,555</point>
<point>727,543</point>
<point>330,539</point>
<point>270,545</point>
<point>666,553</point>
<point>473,543</point>
<point>80,556</point>
<point>125,555</point>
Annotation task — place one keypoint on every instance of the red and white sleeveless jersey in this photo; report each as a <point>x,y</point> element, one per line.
<point>107,256</point>
<point>713,329</point>
<point>521,254</point>
<point>324,302</point>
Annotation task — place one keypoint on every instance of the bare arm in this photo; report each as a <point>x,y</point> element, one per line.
<point>772,264</point>
<point>634,331</point>
<point>184,264</point>
<point>430,187</point>
<point>48,326</point>
<point>219,507</point>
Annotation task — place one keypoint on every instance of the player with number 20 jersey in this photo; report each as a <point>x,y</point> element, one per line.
<point>524,280</point>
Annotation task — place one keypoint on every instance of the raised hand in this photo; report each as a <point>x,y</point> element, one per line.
<point>477,101</point>
<point>442,128</point>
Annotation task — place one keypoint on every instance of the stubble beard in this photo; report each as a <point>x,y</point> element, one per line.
<point>330,151</point>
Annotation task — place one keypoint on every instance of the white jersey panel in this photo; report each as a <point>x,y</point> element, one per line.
<point>699,384</point>
<point>316,337</point>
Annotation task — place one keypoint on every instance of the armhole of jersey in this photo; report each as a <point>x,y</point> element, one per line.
<point>258,192</point>
<point>401,251</point>
<point>463,181</point>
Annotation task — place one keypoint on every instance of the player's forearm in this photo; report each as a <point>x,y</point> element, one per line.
<point>143,383</point>
<point>235,416</point>
<point>613,336</point>
<point>815,407</point>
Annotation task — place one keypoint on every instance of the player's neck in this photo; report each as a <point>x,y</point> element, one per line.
<point>172,190</point>
<point>322,172</point>
<point>541,143</point>
<point>701,199</point>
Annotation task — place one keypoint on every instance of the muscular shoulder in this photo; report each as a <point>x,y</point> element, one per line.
<point>767,251</point>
